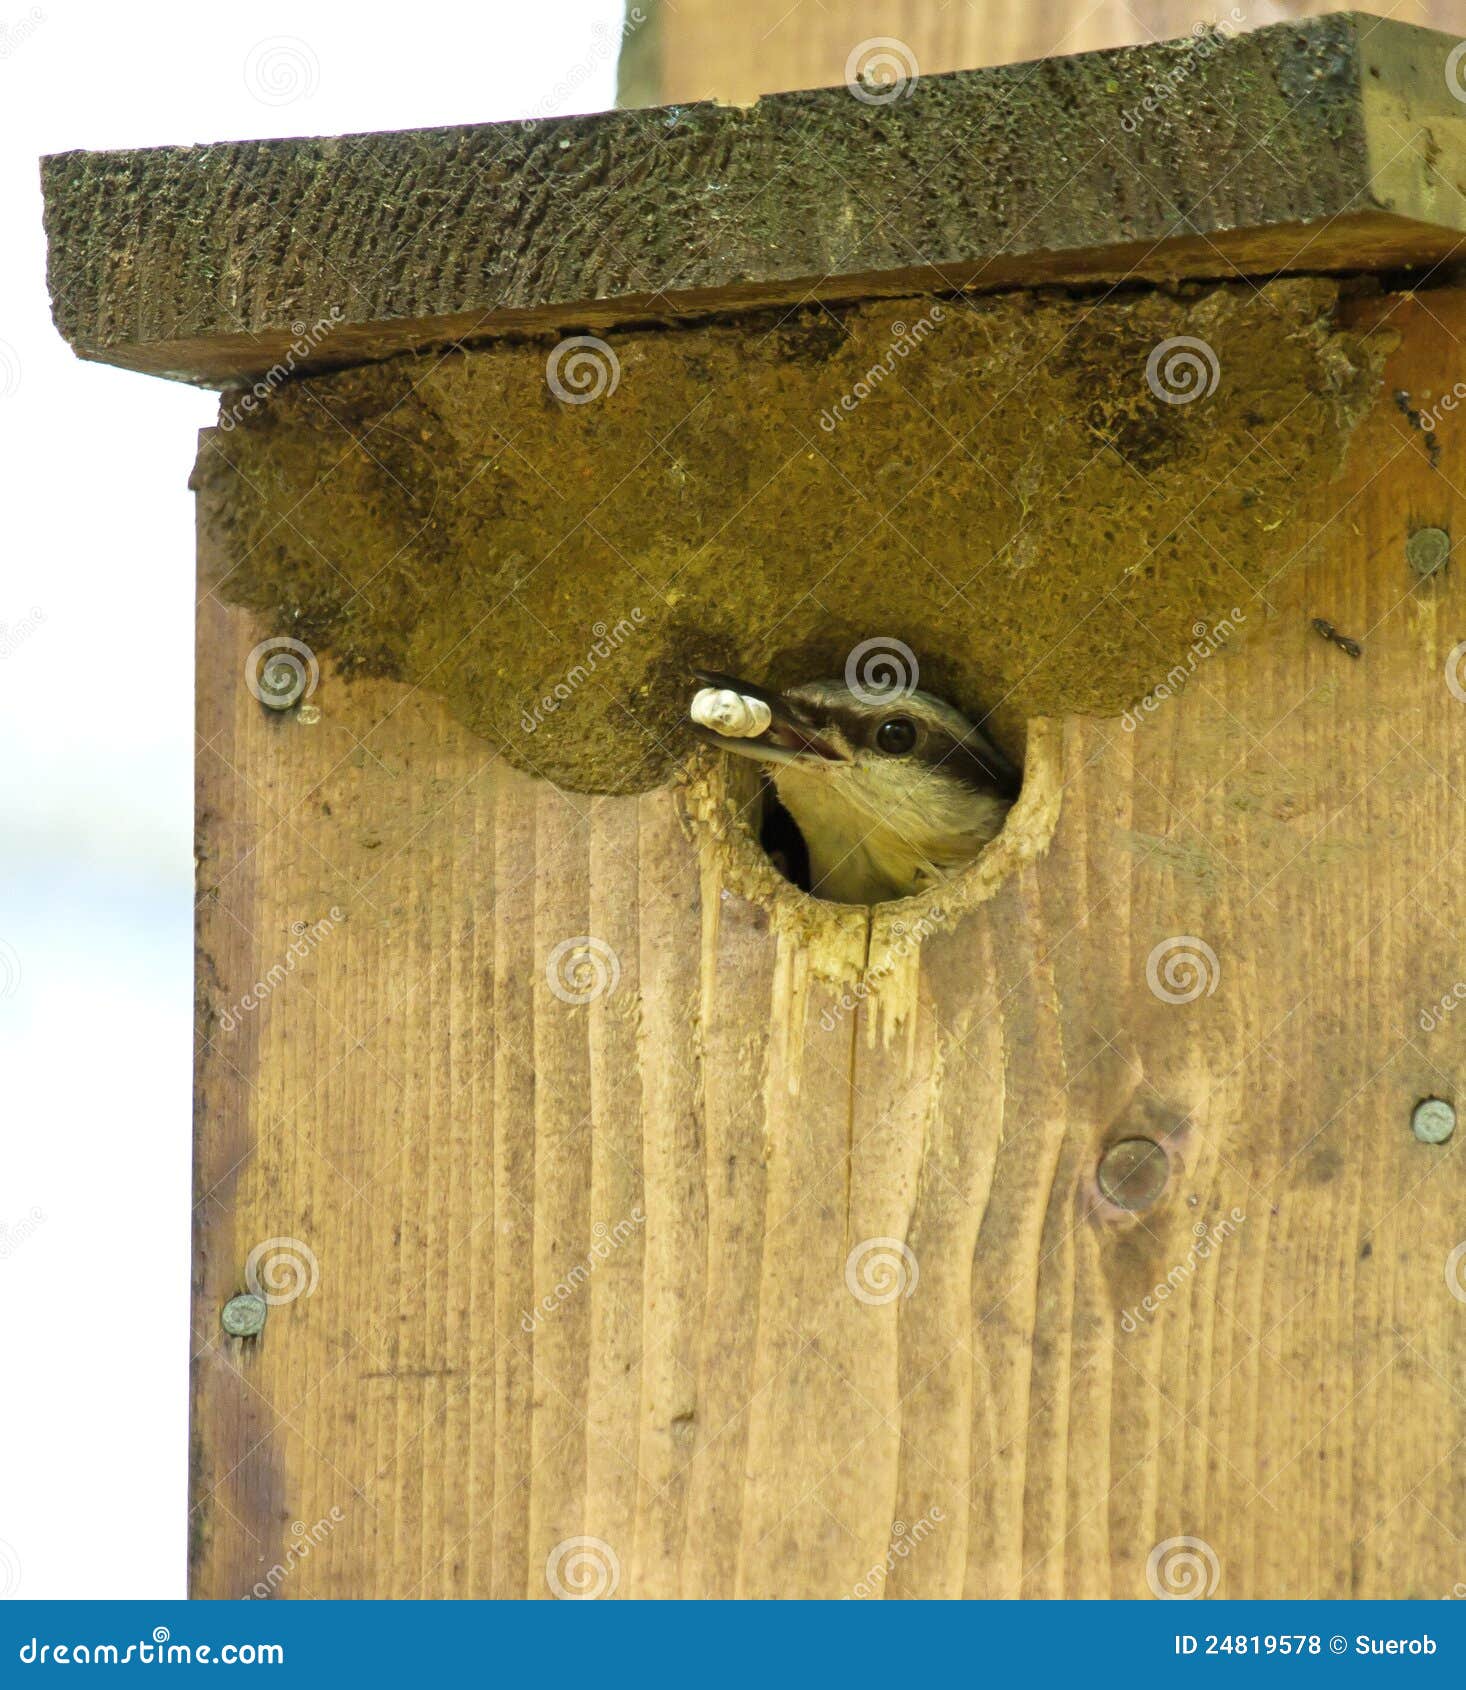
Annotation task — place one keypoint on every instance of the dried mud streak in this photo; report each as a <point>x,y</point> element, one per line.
<point>1011,500</point>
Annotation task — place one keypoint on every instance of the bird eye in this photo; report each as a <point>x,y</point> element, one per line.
<point>896,736</point>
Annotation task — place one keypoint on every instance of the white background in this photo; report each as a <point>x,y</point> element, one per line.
<point>96,733</point>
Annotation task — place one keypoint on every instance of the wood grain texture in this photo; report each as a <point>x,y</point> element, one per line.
<point>695,1151</point>
<point>703,50</point>
<point>1334,143</point>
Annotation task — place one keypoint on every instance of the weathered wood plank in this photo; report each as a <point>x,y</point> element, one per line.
<point>1329,144</point>
<point>707,1398</point>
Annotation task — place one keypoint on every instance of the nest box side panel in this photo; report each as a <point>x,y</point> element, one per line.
<point>612,1243</point>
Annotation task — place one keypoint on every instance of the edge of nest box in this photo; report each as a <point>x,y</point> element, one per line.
<point>1332,143</point>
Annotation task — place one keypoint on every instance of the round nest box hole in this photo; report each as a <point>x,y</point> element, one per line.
<point>759,854</point>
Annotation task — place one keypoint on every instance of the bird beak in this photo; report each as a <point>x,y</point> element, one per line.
<point>795,732</point>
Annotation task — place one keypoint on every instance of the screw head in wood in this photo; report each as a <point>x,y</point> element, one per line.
<point>1433,1120</point>
<point>1133,1173</point>
<point>1427,550</point>
<point>244,1316</point>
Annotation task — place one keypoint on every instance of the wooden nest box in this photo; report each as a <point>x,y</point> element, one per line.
<point>581,1207</point>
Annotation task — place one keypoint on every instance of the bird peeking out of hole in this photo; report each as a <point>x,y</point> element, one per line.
<point>890,793</point>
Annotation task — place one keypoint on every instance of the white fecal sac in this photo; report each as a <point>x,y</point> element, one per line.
<point>730,713</point>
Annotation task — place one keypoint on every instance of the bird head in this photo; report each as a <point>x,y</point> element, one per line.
<point>890,791</point>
